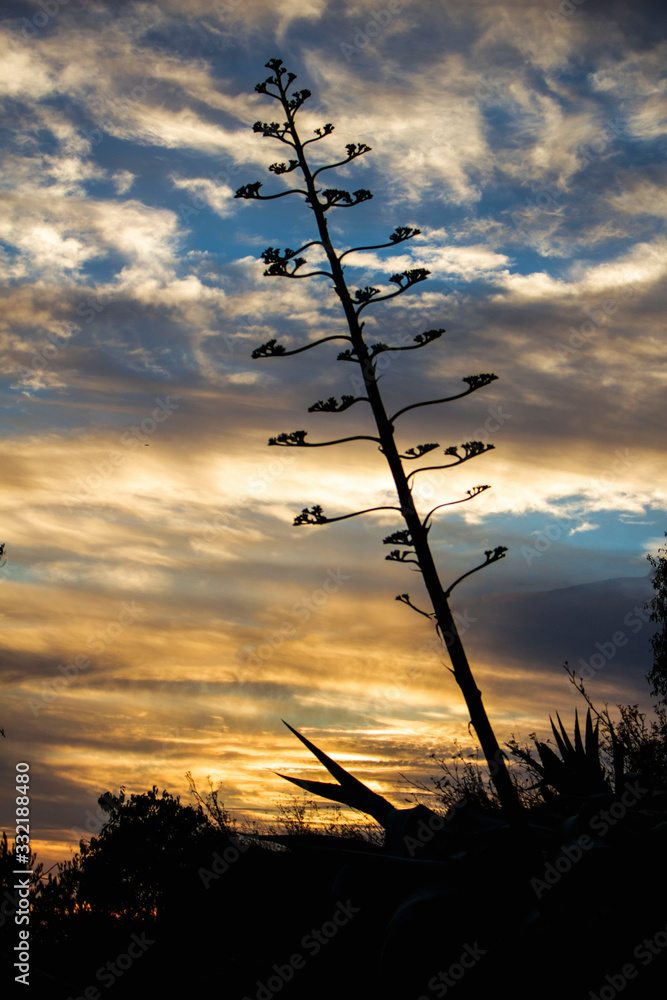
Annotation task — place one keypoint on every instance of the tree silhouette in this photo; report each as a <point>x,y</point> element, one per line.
<point>287,263</point>
<point>145,853</point>
<point>657,676</point>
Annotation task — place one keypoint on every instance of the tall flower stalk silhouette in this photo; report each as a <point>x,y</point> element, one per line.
<point>288,263</point>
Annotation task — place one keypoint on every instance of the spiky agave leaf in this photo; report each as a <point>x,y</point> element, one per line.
<point>578,770</point>
<point>349,791</point>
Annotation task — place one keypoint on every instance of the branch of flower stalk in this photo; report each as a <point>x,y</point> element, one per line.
<point>295,439</point>
<point>475,491</point>
<point>475,382</point>
<point>460,458</point>
<point>359,149</point>
<point>412,277</point>
<point>273,350</point>
<point>491,557</point>
<point>331,405</point>
<point>251,192</point>
<point>405,599</point>
<point>421,340</point>
<point>320,133</point>
<point>400,235</point>
<point>314,515</point>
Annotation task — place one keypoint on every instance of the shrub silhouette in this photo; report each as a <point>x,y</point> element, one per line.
<point>658,604</point>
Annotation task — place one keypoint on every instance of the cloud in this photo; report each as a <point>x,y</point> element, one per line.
<point>636,81</point>
<point>204,191</point>
<point>519,146</point>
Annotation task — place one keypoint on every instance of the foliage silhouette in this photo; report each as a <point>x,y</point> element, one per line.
<point>287,264</point>
<point>143,855</point>
<point>658,604</point>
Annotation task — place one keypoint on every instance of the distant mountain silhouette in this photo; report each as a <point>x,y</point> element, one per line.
<point>542,630</point>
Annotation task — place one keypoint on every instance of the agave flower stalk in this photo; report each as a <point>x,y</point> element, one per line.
<point>288,264</point>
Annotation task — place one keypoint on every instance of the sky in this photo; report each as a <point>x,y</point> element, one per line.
<point>161,613</point>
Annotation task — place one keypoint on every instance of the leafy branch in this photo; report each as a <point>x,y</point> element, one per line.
<point>404,280</point>
<point>314,515</point>
<point>278,261</point>
<point>354,149</point>
<point>399,235</point>
<point>251,192</point>
<point>405,599</point>
<point>336,198</point>
<point>418,451</point>
<point>471,450</point>
<point>402,537</point>
<point>320,133</point>
<point>284,168</point>
<point>331,405</point>
<point>372,350</point>
<point>296,439</point>
<point>470,495</point>
<point>272,349</point>
<point>403,557</point>
<point>475,382</point>
<point>491,557</point>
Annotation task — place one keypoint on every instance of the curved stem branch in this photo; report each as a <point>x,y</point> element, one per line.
<point>429,402</point>
<point>311,274</point>
<point>382,298</point>
<point>452,503</point>
<point>491,557</point>
<point>405,599</point>
<point>321,444</point>
<point>474,382</point>
<point>273,350</point>
<point>460,461</point>
<point>321,519</point>
<point>402,233</point>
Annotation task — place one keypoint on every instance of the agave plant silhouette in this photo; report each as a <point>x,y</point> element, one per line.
<point>578,772</point>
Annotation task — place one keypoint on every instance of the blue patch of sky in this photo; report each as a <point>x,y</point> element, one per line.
<point>621,537</point>
<point>101,271</point>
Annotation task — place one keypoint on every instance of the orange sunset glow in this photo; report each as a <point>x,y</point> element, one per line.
<point>161,613</point>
